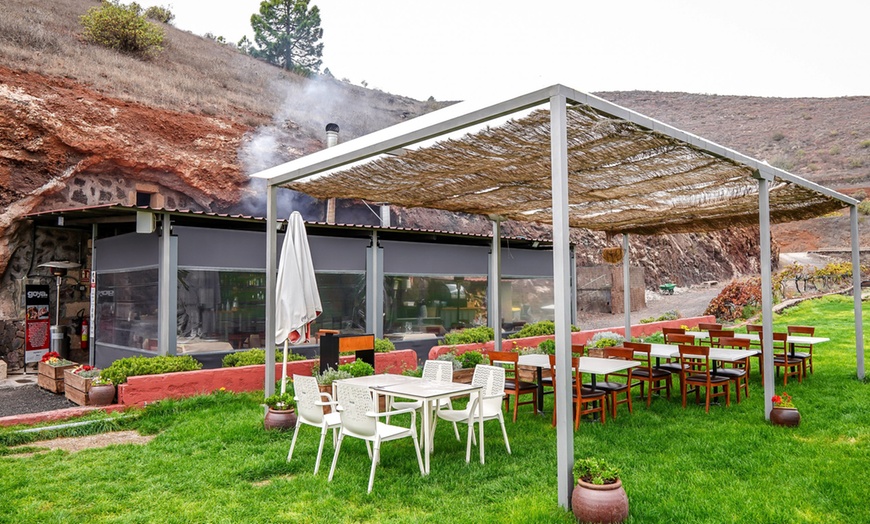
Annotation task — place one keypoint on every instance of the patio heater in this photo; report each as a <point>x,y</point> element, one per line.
<point>59,270</point>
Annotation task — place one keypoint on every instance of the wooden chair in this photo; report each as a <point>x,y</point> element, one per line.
<point>782,359</point>
<point>808,354</point>
<point>697,372</point>
<point>614,388</point>
<point>586,401</point>
<point>757,329</point>
<point>739,372</point>
<point>513,386</point>
<point>707,326</point>
<point>716,334</point>
<point>577,350</point>
<point>657,379</point>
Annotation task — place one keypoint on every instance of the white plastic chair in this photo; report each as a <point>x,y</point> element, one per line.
<point>309,410</point>
<point>435,371</point>
<point>359,419</point>
<point>491,380</point>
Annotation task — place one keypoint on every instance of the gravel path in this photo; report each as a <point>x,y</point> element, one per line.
<point>30,399</point>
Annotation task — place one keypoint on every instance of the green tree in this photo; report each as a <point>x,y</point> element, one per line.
<point>287,33</point>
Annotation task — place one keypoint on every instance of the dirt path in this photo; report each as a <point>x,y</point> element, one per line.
<point>689,302</point>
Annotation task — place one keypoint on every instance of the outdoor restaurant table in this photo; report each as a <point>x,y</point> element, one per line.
<point>791,340</point>
<point>716,354</point>
<point>428,391</point>
<point>592,365</point>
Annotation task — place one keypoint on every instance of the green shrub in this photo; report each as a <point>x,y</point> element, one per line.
<point>864,207</point>
<point>122,28</point>
<point>451,357</point>
<point>537,329</point>
<point>470,336</point>
<point>548,347</point>
<point>357,368</point>
<point>256,356</point>
<point>667,315</point>
<point>136,366</point>
<point>383,345</point>
<point>595,471</point>
<point>160,13</point>
<point>469,359</point>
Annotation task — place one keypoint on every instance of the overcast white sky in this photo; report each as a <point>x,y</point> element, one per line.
<point>470,49</point>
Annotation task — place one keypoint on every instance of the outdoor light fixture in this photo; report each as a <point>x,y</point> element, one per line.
<point>58,270</point>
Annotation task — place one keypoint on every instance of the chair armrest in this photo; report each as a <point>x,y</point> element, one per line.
<point>391,413</point>
<point>329,401</point>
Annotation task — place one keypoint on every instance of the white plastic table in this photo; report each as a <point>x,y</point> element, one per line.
<point>428,391</point>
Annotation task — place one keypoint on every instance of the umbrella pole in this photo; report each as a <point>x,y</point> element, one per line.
<point>284,372</point>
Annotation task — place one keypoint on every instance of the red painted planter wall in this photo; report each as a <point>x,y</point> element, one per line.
<point>579,337</point>
<point>151,388</point>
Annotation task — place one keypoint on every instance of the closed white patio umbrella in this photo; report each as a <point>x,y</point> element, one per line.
<point>297,301</point>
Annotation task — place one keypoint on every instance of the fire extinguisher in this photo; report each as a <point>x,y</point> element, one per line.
<point>85,333</point>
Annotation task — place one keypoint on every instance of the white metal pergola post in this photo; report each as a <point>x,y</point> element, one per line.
<point>271,283</point>
<point>626,286</point>
<point>856,291</point>
<point>167,283</point>
<point>494,284</point>
<point>766,293</point>
<point>562,293</point>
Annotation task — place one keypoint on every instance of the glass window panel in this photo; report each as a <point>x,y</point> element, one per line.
<point>126,309</point>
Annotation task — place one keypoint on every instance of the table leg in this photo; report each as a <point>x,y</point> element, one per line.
<point>540,376</point>
<point>427,438</point>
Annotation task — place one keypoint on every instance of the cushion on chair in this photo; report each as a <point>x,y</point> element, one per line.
<point>730,372</point>
<point>656,373</point>
<point>509,384</point>
<point>611,386</point>
<point>714,379</point>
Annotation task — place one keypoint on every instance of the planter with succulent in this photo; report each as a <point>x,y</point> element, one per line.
<point>598,494</point>
<point>463,364</point>
<point>101,392</point>
<point>784,412</point>
<point>325,380</point>
<point>281,414</point>
<point>51,371</point>
<point>77,383</point>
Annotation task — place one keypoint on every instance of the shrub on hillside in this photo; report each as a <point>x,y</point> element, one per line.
<point>122,28</point>
<point>729,304</point>
<point>136,366</point>
<point>160,13</point>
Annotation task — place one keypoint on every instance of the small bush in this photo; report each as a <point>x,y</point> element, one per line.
<point>330,375</point>
<point>383,345</point>
<point>864,207</point>
<point>470,336</point>
<point>469,359</point>
<point>548,347</point>
<point>122,368</point>
<point>605,339</point>
<point>730,302</point>
<point>122,28</point>
<point>451,357</point>
<point>160,13</point>
<point>256,356</point>
<point>357,368</point>
<point>537,329</point>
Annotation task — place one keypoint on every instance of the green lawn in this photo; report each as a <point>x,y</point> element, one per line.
<point>212,462</point>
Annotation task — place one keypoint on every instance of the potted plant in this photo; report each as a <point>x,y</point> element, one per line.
<point>325,380</point>
<point>598,494</point>
<point>101,391</point>
<point>463,365</point>
<point>784,412</point>
<point>51,370</point>
<point>281,414</point>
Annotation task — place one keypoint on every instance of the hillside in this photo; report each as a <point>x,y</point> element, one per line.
<point>82,125</point>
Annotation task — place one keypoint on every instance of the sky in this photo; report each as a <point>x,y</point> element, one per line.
<point>485,49</point>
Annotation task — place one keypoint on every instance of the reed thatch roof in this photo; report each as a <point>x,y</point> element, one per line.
<point>626,174</point>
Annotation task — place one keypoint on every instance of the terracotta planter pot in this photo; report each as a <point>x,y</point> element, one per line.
<point>605,503</point>
<point>101,395</point>
<point>280,420</point>
<point>785,417</point>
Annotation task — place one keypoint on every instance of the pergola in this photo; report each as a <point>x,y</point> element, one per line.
<point>568,159</point>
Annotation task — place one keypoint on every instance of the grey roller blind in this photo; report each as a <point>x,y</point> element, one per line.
<point>526,263</point>
<point>413,258</point>
<point>130,251</point>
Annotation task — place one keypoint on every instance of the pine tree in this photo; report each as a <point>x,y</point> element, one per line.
<point>287,33</point>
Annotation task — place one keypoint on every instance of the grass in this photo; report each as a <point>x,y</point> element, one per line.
<point>212,462</point>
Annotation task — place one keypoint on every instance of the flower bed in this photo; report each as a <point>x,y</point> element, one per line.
<point>51,369</point>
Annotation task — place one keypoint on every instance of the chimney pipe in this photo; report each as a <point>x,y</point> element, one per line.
<point>331,140</point>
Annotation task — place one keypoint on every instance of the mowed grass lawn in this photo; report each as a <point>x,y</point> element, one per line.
<point>212,462</point>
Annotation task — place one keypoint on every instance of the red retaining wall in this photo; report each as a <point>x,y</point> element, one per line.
<point>58,414</point>
<point>579,337</point>
<point>145,389</point>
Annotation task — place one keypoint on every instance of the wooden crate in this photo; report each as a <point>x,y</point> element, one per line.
<point>55,385</point>
<point>76,395</point>
<point>76,388</point>
<point>51,377</point>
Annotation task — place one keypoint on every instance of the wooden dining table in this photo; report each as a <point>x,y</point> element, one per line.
<point>791,340</point>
